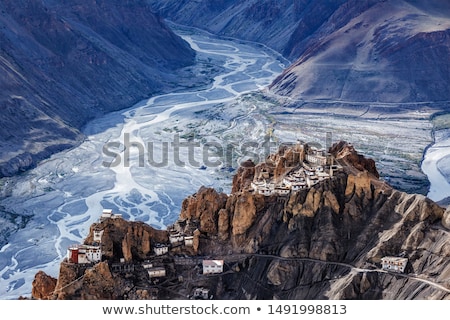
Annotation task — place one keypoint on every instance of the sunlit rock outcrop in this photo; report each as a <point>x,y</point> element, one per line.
<point>325,241</point>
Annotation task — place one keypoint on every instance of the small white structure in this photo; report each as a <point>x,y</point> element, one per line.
<point>298,185</point>
<point>160,249</point>
<point>316,159</point>
<point>282,190</point>
<point>396,264</point>
<point>98,235</point>
<point>257,184</point>
<point>106,214</point>
<point>201,293</point>
<point>156,272</point>
<point>212,266</point>
<point>189,241</point>
<point>176,238</point>
<point>265,191</point>
<point>81,253</point>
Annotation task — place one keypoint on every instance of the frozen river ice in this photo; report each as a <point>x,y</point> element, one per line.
<point>436,166</point>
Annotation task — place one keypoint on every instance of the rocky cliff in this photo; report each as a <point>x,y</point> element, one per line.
<point>322,242</point>
<point>65,62</point>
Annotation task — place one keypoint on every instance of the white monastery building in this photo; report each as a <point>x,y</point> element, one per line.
<point>212,266</point>
<point>81,253</point>
<point>396,264</point>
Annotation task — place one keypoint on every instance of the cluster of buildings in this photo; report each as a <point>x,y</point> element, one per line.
<point>180,235</point>
<point>90,254</point>
<point>84,254</point>
<point>313,166</point>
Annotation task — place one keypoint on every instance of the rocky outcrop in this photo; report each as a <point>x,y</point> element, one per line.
<point>446,218</point>
<point>129,240</point>
<point>322,242</point>
<point>93,283</point>
<point>204,206</point>
<point>123,242</point>
<point>43,286</point>
<point>66,62</point>
<point>344,151</point>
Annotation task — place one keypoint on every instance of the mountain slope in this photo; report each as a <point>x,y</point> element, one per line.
<point>384,51</point>
<point>281,25</point>
<point>391,52</point>
<point>65,62</point>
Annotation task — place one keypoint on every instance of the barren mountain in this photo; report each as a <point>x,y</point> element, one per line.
<point>384,51</point>
<point>65,62</point>
<point>391,52</point>
<point>281,25</point>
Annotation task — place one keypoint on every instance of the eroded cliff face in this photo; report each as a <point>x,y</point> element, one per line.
<point>322,242</point>
<point>65,62</point>
<point>126,241</point>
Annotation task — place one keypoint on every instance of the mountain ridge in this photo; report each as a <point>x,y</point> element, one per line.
<point>382,55</point>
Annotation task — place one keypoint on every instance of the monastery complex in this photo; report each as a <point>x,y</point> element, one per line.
<point>302,167</point>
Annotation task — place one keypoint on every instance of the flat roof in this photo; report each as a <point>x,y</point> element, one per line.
<point>395,259</point>
<point>213,262</point>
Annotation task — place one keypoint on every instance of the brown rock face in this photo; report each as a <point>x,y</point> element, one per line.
<point>325,242</point>
<point>446,219</point>
<point>92,277</point>
<point>128,240</point>
<point>244,176</point>
<point>132,241</point>
<point>204,206</point>
<point>244,214</point>
<point>346,152</point>
<point>43,286</point>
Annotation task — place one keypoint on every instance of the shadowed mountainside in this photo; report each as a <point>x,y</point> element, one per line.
<point>66,62</point>
<point>391,52</point>
<point>282,25</point>
<point>384,51</point>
